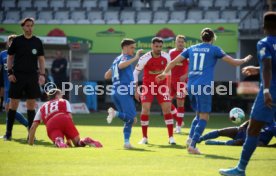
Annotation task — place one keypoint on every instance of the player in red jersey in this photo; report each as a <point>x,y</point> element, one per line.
<point>178,82</point>
<point>56,115</point>
<point>153,63</point>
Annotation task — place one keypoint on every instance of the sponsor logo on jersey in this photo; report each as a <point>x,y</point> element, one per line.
<point>34,51</point>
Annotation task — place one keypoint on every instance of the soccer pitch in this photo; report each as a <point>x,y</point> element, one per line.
<point>157,158</point>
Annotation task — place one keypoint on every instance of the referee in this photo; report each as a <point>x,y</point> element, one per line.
<point>25,54</point>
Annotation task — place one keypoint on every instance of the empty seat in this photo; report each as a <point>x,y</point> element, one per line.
<point>56,4</point>
<point>194,15</point>
<point>39,4</point>
<point>127,17</point>
<point>95,17</point>
<point>78,15</point>
<point>112,17</point>
<point>29,14</point>
<point>170,4</point>
<point>72,4</point>
<point>13,15</point>
<point>222,4</point>
<point>229,15</point>
<point>239,4</point>
<point>23,4</point>
<point>144,17</point>
<point>88,4</point>
<point>252,3</point>
<point>155,4</point>
<point>137,5</point>
<point>45,15</point>
<point>250,24</point>
<point>206,4</point>
<point>103,4</point>
<point>7,4</point>
<point>212,15</point>
<point>177,17</point>
<point>62,15</point>
<point>242,14</point>
<point>83,21</point>
<point>160,17</point>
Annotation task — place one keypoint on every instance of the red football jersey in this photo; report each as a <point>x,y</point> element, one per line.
<point>181,68</point>
<point>152,66</point>
<point>50,108</point>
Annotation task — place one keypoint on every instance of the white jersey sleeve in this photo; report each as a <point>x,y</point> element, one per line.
<point>143,61</point>
<point>38,116</point>
<point>168,57</point>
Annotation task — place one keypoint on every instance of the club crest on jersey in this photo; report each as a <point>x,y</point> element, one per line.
<point>162,62</point>
<point>34,51</point>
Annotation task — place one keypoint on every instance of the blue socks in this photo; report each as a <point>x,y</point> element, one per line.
<point>21,119</point>
<point>211,135</point>
<point>198,131</point>
<point>127,132</point>
<point>193,125</point>
<point>248,148</point>
<point>127,126</point>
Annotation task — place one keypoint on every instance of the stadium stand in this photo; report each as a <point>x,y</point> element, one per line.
<point>98,12</point>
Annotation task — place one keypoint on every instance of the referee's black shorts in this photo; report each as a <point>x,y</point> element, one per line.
<point>26,86</point>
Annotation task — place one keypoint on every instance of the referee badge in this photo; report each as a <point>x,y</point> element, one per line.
<point>34,51</point>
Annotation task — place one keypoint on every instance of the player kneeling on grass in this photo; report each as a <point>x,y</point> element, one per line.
<point>238,135</point>
<point>56,115</point>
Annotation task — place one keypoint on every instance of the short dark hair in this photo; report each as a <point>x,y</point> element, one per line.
<point>127,41</point>
<point>11,37</point>
<point>207,35</point>
<point>22,23</point>
<point>53,93</point>
<point>270,20</point>
<point>156,39</point>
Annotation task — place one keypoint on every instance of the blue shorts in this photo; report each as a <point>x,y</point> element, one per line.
<point>200,102</point>
<point>6,97</point>
<point>125,104</point>
<point>241,135</point>
<point>259,111</point>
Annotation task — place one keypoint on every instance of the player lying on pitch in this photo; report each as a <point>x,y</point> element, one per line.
<point>56,115</point>
<point>238,135</point>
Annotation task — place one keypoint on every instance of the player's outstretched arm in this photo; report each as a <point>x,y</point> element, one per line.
<point>108,74</point>
<point>171,65</point>
<point>236,62</point>
<point>250,70</point>
<point>267,76</point>
<point>32,132</point>
<point>130,61</point>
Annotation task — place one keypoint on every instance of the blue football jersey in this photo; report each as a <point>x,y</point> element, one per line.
<point>202,60</point>
<point>122,76</point>
<point>3,63</point>
<point>266,49</point>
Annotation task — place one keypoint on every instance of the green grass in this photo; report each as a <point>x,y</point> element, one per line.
<point>157,158</point>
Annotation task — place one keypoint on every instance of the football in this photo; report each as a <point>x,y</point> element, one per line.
<point>236,115</point>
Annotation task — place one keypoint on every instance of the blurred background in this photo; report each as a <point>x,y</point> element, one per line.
<point>87,34</point>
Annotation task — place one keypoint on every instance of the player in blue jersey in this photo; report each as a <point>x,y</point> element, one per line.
<point>121,73</point>
<point>3,63</point>
<point>238,135</point>
<point>202,60</point>
<point>264,107</point>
